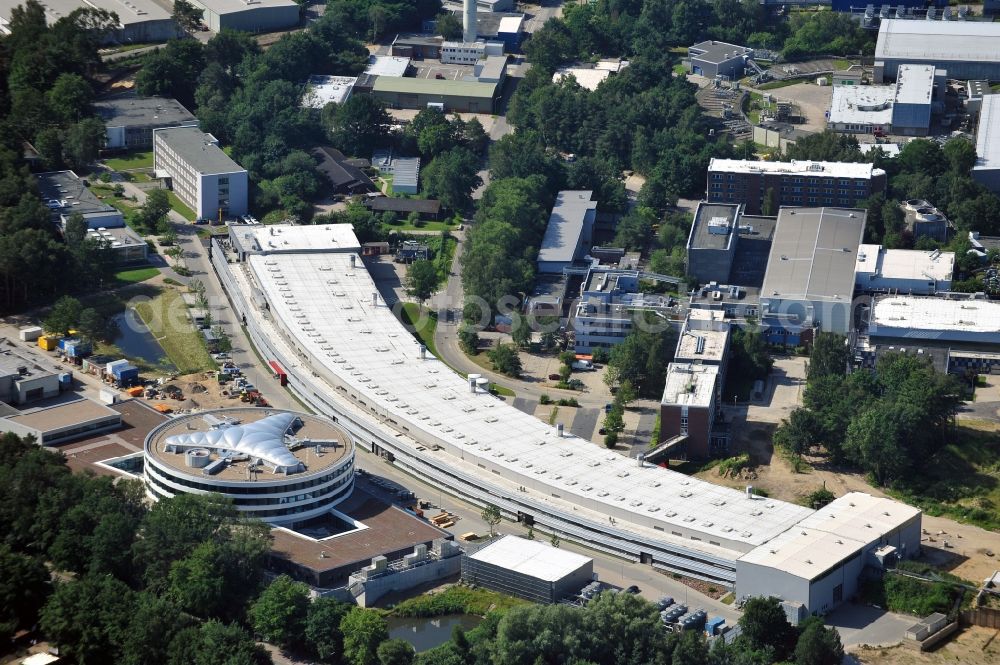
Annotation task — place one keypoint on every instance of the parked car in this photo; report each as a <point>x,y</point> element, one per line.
<point>439,76</point>
<point>554,377</point>
<point>583,365</point>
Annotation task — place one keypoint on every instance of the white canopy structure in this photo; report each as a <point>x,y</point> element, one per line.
<point>264,439</point>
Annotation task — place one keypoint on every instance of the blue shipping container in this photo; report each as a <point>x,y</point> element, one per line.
<point>126,374</point>
<point>714,625</point>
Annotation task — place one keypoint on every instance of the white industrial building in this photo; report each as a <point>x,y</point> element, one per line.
<point>810,270</point>
<point>204,177</point>
<point>249,15</point>
<point>903,107</point>
<point>316,311</point>
<point>914,97</point>
<point>967,320</point>
<point>569,232</point>
<point>322,90</point>
<point>859,109</point>
<point>138,20</point>
<point>61,422</point>
<point>462,53</point>
<point>966,49</point>
<point>130,120</point>
<point>910,271</point>
<point>527,569</point>
<point>986,170</point>
<point>819,563</point>
<point>387,65</point>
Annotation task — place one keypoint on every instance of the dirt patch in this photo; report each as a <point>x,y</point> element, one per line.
<point>714,591</point>
<point>972,646</point>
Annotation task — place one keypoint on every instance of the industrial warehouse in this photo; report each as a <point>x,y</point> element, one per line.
<point>346,355</point>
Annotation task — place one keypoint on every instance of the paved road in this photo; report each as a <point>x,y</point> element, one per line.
<point>980,410</point>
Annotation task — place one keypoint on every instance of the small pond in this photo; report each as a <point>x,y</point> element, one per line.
<point>135,340</point>
<point>429,632</point>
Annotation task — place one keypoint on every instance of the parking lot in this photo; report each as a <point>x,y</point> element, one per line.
<point>429,69</point>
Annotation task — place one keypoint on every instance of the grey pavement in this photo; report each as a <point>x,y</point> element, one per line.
<point>979,411</point>
<point>863,624</point>
<point>526,405</point>
<point>585,421</point>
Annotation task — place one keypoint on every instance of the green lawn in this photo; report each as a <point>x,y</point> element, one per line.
<point>841,65</point>
<point>179,207</point>
<point>423,330</point>
<point>136,275</point>
<point>132,160</point>
<point>455,600</point>
<point>403,225</point>
<point>680,70</point>
<point>165,316</point>
<point>773,85</point>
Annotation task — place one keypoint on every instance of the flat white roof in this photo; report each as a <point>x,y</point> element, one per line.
<point>689,384</point>
<point>794,167</point>
<point>967,41</point>
<point>223,7</point>
<point>831,534</point>
<point>54,10</point>
<point>570,213</point>
<point>321,90</point>
<point>917,313</point>
<point>326,307</point>
<point>712,344</point>
<point>283,238</point>
<point>914,84</point>
<point>511,24</point>
<point>805,553</point>
<point>588,78</point>
<point>988,134</point>
<point>862,104</point>
<point>532,558</point>
<point>387,65</point>
<point>131,12</point>
<point>860,516</point>
<point>905,263</point>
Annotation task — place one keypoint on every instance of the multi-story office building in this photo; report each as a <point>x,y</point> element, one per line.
<point>201,174</point>
<point>795,183</point>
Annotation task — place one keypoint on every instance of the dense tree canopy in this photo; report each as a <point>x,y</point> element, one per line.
<point>890,422</point>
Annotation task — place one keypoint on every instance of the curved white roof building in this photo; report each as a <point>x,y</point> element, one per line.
<point>319,315</point>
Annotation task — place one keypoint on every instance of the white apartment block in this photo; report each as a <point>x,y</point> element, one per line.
<point>202,175</point>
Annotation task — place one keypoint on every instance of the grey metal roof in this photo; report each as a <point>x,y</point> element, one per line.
<point>701,238</point>
<point>197,149</point>
<point>920,41</point>
<point>133,111</point>
<point>570,212</point>
<point>813,254</point>
<point>405,171</point>
<point>718,52</point>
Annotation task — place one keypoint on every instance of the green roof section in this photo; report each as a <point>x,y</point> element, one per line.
<point>444,88</point>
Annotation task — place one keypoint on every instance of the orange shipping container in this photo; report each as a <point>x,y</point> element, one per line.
<point>163,408</point>
<point>135,391</point>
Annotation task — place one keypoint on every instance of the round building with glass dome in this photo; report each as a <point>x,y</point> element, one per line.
<point>277,466</point>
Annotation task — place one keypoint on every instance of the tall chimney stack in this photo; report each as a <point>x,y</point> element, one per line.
<point>469,28</point>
